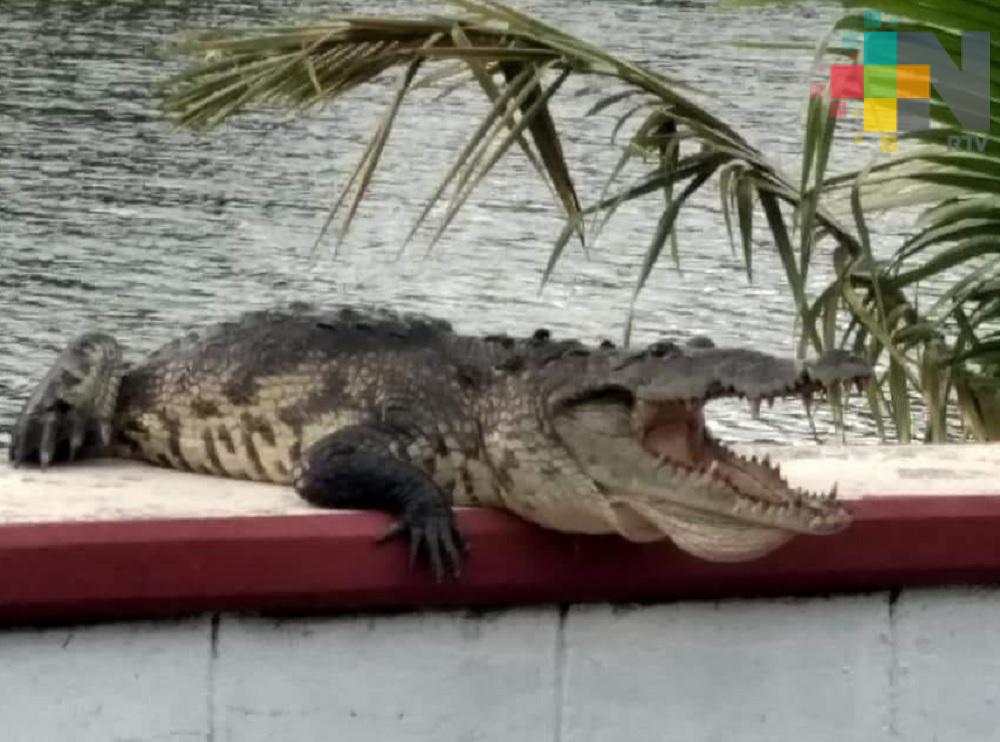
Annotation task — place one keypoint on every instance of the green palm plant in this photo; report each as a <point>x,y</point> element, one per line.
<point>947,352</point>
<point>944,349</point>
<point>520,64</point>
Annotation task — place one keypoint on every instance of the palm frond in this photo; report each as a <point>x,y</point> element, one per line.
<point>519,63</point>
<point>945,349</point>
<point>941,352</point>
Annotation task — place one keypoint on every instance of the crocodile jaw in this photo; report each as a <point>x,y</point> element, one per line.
<point>664,474</point>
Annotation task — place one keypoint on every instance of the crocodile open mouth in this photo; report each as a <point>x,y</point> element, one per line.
<point>643,441</point>
<point>676,432</point>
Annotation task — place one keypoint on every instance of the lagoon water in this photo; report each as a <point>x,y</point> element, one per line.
<point>111,218</point>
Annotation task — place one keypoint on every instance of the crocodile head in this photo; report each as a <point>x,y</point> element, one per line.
<point>636,425</point>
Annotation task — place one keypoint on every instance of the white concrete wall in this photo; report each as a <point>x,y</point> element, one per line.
<point>923,667</point>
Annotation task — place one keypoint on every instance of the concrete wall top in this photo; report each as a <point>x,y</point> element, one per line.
<point>107,539</point>
<point>120,490</point>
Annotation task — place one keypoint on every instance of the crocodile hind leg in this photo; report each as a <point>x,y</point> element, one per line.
<point>71,410</point>
<point>356,468</point>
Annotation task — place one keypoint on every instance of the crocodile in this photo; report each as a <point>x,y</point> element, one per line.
<point>367,408</point>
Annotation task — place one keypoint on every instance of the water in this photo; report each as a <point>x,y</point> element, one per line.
<point>112,219</point>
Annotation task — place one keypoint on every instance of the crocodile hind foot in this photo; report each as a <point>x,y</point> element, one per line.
<point>71,410</point>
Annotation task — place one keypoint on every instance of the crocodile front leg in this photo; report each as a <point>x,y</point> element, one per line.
<point>357,468</point>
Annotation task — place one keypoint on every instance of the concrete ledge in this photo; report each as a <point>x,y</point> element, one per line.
<point>294,560</point>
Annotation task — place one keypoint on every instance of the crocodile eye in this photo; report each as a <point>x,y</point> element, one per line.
<point>662,348</point>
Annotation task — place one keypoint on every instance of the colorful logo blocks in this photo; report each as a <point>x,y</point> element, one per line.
<point>896,74</point>
<point>896,97</point>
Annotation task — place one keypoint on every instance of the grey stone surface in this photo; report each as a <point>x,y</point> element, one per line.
<point>441,677</point>
<point>141,682</point>
<point>754,671</point>
<point>947,666</point>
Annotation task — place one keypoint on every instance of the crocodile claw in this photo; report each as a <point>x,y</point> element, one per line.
<point>433,535</point>
<point>71,408</point>
<point>54,433</point>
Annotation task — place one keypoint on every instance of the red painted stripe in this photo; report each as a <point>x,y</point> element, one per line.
<point>60,572</point>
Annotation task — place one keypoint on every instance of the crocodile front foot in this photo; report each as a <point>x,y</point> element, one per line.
<point>355,468</point>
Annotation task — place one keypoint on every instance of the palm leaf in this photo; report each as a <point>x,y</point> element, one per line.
<point>520,63</point>
<point>511,56</point>
<point>937,353</point>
